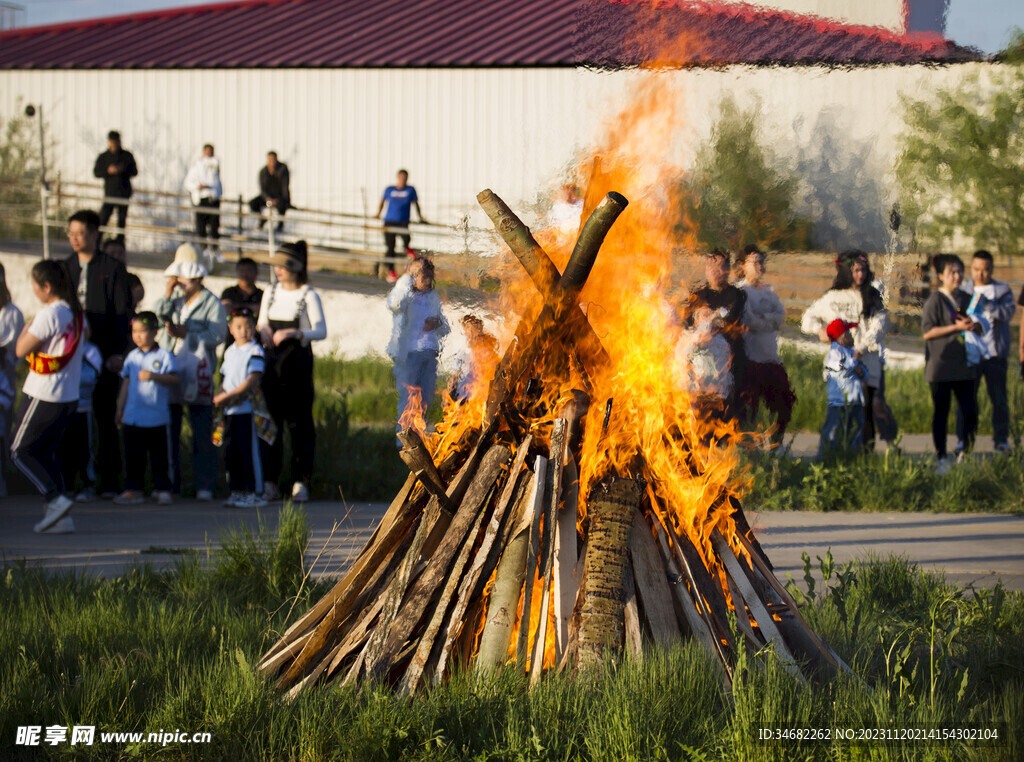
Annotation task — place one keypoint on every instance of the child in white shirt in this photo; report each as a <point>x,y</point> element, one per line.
<point>241,373</point>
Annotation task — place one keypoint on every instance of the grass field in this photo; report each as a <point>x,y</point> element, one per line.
<point>164,651</point>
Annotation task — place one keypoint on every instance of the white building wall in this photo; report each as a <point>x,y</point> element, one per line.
<point>343,133</point>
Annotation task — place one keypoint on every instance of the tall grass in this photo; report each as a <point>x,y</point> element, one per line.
<point>155,650</point>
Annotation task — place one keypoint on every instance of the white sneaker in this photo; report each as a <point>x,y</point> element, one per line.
<point>87,495</point>
<point>299,492</point>
<point>204,496</point>
<point>270,491</point>
<point>233,499</point>
<point>55,510</point>
<point>65,526</point>
<point>164,498</point>
<point>251,500</point>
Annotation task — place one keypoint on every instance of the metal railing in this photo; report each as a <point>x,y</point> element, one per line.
<point>161,220</point>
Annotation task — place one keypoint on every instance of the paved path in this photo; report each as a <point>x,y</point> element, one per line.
<point>805,444</point>
<point>971,548</point>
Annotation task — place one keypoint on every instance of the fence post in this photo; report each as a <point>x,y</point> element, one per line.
<point>271,243</point>
<point>45,221</point>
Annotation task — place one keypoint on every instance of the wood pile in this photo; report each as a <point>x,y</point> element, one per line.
<point>490,554</point>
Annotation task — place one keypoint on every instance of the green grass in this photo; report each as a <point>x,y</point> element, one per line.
<point>886,482</point>
<point>153,650</point>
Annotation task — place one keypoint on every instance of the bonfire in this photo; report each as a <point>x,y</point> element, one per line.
<point>578,506</point>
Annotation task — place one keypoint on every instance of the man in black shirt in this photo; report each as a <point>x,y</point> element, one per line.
<point>116,167</point>
<point>274,190</point>
<point>101,283</point>
<point>727,303</point>
<point>245,294</point>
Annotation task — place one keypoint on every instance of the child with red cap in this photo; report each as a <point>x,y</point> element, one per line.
<point>844,375</point>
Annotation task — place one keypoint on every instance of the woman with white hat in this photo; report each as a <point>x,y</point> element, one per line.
<point>291,316</point>
<point>193,316</point>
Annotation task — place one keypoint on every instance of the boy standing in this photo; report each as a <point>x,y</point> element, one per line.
<point>843,375</point>
<point>240,376</point>
<point>143,408</point>
<point>244,293</point>
<point>996,305</point>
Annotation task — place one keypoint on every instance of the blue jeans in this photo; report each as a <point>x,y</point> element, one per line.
<point>205,460</point>
<point>418,371</point>
<point>993,370</point>
<point>843,429</point>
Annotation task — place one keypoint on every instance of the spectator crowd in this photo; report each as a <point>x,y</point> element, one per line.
<point>109,388</point>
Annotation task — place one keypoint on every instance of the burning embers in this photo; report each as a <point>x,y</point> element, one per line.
<point>575,506</point>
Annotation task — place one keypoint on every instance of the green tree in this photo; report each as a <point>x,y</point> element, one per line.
<point>735,195</point>
<point>961,168</point>
<point>19,176</point>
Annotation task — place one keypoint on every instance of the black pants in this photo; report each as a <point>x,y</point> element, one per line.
<point>390,238</point>
<point>122,215</point>
<point>942,392</point>
<point>288,390</point>
<point>108,455</point>
<point>75,454</point>
<point>142,443</point>
<point>37,436</point>
<point>208,225</point>
<point>242,454</point>
<point>994,372</point>
<point>877,413</point>
<point>259,206</point>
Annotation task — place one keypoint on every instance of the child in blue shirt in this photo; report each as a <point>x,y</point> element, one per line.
<point>844,375</point>
<point>241,372</point>
<point>144,411</point>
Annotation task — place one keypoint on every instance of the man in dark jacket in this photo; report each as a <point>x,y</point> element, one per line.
<point>273,190</point>
<point>116,167</point>
<point>101,283</point>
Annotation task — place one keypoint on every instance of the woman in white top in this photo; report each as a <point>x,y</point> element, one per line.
<point>853,299</point>
<point>52,344</point>
<point>11,324</point>
<point>291,317</point>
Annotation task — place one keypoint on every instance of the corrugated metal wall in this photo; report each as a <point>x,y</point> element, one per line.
<point>345,132</point>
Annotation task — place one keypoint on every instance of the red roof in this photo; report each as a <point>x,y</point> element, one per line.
<point>457,33</point>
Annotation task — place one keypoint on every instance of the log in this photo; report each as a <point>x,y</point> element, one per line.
<point>601,616</point>
<point>508,583</point>
<point>652,583</point>
<point>417,457</point>
<point>540,468</point>
<point>553,493</point>
<point>426,587</point>
<point>591,236</point>
<point>520,240</point>
<point>486,557</point>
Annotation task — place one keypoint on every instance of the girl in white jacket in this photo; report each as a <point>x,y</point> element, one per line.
<point>766,377</point>
<point>853,299</point>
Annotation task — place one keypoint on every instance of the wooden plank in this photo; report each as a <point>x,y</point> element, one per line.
<point>417,457</point>
<point>304,624</point>
<point>551,498</point>
<point>486,557</point>
<point>565,579</point>
<point>427,586</point>
<point>414,672</point>
<point>652,583</point>
<point>540,468</point>
<point>631,619</point>
<point>701,629</point>
<point>764,620</point>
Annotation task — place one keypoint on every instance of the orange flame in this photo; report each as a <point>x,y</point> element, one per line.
<point>415,413</point>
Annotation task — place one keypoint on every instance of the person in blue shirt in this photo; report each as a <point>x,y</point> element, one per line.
<point>400,198</point>
<point>241,373</point>
<point>144,412</point>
